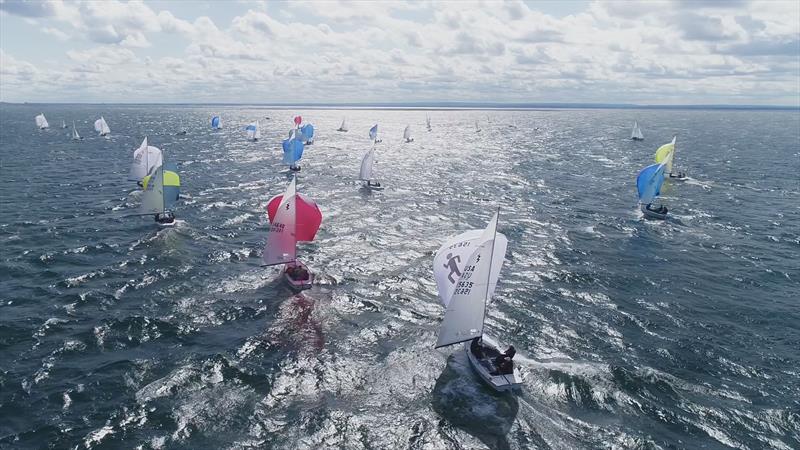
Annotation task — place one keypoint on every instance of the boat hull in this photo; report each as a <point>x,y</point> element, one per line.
<point>297,285</point>
<point>637,139</point>
<point>500,383</point>
<point>650,214</point>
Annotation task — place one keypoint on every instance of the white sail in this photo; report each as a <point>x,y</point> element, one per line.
<point>467,295</point>
<point>344,125</point>
<point>101,126</point>
<point>281,244</point>
<point>145,159</point>
<point>407,133</point>
<point>75,135</point>
<point>477,127</point>
<point>63,124</point>
<point>153,197</point>
<point>258,130</point>
<point>253,131</point>
<point>41,122</point>
<point>636,133</point>
<point>366,165</point>
<point>428,122</point>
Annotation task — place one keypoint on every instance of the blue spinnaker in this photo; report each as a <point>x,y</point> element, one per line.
<point>373,132</point>
<point>649,181</point>
<point>292,151</point>
<point>215,122</point>
<point>308,132</point>
<point>251,127</point>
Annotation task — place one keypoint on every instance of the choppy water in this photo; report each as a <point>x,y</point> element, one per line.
<point>631,334</point>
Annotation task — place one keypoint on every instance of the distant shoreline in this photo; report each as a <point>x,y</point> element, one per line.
<point>445,106</point>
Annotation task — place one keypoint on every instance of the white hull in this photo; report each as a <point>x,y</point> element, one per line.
<point>650,214</point>
<point>500,383</point>
<point>297,285</point>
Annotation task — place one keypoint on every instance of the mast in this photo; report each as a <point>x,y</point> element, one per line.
<point>489,275</point>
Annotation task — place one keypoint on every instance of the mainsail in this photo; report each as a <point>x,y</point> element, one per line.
<point>466,269</point>
<point>145,159</point>
<point>75,135</point>
<point>428,122</point>
<point>281,244</point>
<point>343,127</point>
<point>101,126</point>
<point>41,122</point>
<point>636,132</point>
<point>373,133</point>
<point>367,165</point>
<point>407,133</point>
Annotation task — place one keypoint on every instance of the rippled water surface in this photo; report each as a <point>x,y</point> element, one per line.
<point>630,333</point>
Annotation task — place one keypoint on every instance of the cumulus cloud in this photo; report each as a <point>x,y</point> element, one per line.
<point>400,51</point>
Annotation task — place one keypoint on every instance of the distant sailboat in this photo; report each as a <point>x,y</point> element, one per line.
<point>667,153</point>
<point>293,150</point>
<point>307,132</point>
<point>636,132</point>
<point>101,126</point>
<point>181,130</point>
<point>466,269</point>
<point>41,122</point>
<point>513,123</point>
<point>253,131</point>
<point>373,134</point>
<point>648,185</point>
<point>407,134</point>
<point>216,123</point>
<point>343,127</point>
<point>477,127</point>
<point>161,191</point>
<point>367,174</point>
<point>63,125</point>
<point>293,218</point>
<point>146,159</point>
<point>428,122</point>
<point>75,135</point>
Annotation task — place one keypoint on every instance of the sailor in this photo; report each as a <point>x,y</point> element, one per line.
<point>475,347</point>
<point>504,361</point>
<point>165,218</point>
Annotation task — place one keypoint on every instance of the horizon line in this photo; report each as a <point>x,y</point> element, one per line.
<point>441,105</point>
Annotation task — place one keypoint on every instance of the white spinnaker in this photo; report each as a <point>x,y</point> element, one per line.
<point>41,122</point>
<point>145,159</point>
<point>407,132</point>
<point>281,244</point>
<point>153,197</point>
<point>466,306</point>
<point>367,165</point>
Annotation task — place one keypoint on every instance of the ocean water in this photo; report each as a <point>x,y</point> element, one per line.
<point>630,333</point>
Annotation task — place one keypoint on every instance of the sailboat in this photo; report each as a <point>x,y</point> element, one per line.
<point>366,173</point>
<point>373,134</point>
<point>146,159</point>
<point>41,122</point>
<point>636,132</point>
<point>667,153</point>
<point>648,185</point>
<point>293,218</point>
<point>466,269</point>
<point>216,123</point>
<point>428,122</point>
<point>101,126</point>
<point>293,150</point>
<point>407,134</point>
<point>307,132</point>
<point>63,125</point>
<point>513,123</point>
<point>343,127</point>
<point>182,131</point>
<point>161,191</point>
<point>253,131</point>
<point>477,127</point>
<point>75,135</point>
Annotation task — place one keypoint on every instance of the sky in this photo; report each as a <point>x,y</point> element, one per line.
<point>651,52</point>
